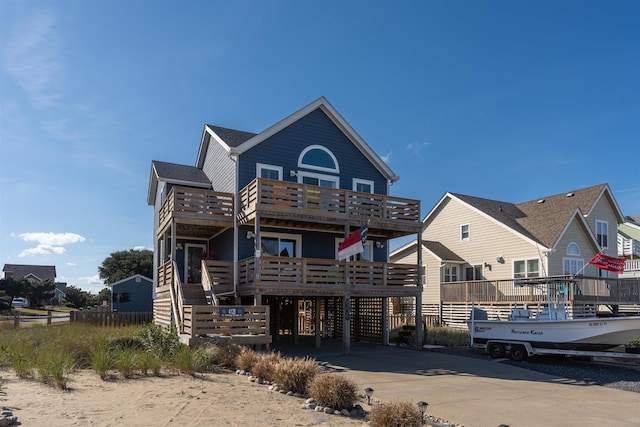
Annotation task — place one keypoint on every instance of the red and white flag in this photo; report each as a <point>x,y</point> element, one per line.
<point>609,263</point>
<point>354,244</point>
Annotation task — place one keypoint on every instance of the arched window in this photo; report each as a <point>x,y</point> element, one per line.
<point>318,158</point>
<point>573,249</point>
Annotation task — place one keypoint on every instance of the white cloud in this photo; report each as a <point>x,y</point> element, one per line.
<point>417,147</point>
<point>141,248</point>
<point>31,58</point>
<point>48,243</point>
<point>386,158</point>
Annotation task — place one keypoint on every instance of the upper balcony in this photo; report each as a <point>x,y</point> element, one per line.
<point>197,212</point>
<point>330,209</point>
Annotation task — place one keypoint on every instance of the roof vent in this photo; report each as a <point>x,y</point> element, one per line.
<point>570,194</point>
<point>541,201</point>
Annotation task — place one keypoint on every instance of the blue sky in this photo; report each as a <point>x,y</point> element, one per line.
<point>508,100</point>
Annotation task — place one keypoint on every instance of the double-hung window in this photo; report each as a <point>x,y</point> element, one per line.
<point>465,232</point>
<point>526,268</point>
<point>451,273</point>
<point>268,171</point>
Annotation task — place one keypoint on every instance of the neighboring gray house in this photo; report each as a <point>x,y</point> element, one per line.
<point>133,294</point>
<point>33,273</point>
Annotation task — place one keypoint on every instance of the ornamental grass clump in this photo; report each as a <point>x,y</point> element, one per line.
<point>226,355</point>
<point>334,391</point>
<point>102,361</point>
<point>295,374</point>
<point>125,362</point>
<point>54,369</point>
<point>188,360</point>
<point>246,359</point>
<point>400,414</point>
<point>265,366</point>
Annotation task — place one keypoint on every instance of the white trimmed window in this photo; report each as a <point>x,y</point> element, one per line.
<point>268,171</point>
<point>526,268</point>
<point>318,179</point>
<point>278,244</point>
<point>573,249</point>
<point>465,232</point>
<point>602,234</point>
<point>362,185</point>
<point>451,273</point>
<point>572,265</point>
<point>318,158</point>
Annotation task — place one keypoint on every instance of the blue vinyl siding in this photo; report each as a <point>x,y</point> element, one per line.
<point>219,167</point>
<point>139,295</point>
<point>284,148</point>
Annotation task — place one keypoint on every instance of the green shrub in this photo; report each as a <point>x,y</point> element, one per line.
<point>447,336</point>
<point>153,338</point>
<point>401,414</point>
<point>265,366</point>
<point>335,391</point>
<point>295,374</point>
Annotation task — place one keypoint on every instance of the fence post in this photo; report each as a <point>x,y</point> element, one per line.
<point>72,316</point>
<point>48,317</point>
<point>16,321</point>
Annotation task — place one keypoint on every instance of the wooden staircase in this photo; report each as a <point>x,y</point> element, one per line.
<point>194,294</point>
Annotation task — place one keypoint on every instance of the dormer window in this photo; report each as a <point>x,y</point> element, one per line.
<point>318,158</point>
<point>573,249</point>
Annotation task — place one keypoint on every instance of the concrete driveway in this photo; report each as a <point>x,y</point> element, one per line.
<point>475,392</point>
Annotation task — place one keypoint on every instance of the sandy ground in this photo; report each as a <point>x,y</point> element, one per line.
<point>223,399</point>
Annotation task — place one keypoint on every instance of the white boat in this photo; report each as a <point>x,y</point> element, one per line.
<point>552,327</point>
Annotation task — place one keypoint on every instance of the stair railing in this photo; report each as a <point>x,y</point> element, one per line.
<point>206,284</point>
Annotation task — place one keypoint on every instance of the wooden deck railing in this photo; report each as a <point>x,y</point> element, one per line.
<point>329,202</point>
<point>252,322</point>
<point>312,271</point>
<point>217,274</point>
<point>579,290</point>
<point>196,203</point>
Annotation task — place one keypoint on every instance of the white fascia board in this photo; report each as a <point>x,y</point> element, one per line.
<point>613,203</point>
<point>129,278</point>
<point>337,119</point>
<point>202,149</point>
<point>585,226</point>
<point>500,224</point>
<point>403,248</point>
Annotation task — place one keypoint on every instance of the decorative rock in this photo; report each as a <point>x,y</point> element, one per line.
<point>310,400</point>
<point>319,409</point>
<point>328,411</point>
<point>346,412</point>
<point>336,412</point>
<point>310,405</point>
<point>289,393</point>
<point>243,372</point>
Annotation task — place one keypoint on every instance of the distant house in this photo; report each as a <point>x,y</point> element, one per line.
<point>33,273</point>
<point>133,294</point>
<point>629,245</point>
<point>37,273</point>
<point>471,243</point>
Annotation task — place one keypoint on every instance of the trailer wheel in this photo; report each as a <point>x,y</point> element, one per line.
<point>496,350</point>
<point>518,353</point>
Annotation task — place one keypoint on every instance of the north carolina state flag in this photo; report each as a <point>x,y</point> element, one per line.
<point>354,244</point>
<point>609,263</point>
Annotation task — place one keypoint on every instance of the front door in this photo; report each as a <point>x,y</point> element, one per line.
<point>193,259</point>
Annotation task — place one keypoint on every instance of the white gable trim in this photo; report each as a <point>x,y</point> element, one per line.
<point>585,226</point>
<point>339,121</point>
<point>613,203</point>
<point>129,278</point>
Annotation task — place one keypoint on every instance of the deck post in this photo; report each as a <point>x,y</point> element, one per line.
<point>318,332</point>
<point>385,321</point>
<point>296,320</point>
<point>346,324</point>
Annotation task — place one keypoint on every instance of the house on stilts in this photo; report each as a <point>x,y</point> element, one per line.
<point>246,239</point>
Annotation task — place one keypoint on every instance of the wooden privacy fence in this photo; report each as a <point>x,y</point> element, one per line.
<point>111,318</point>
<point>241,324</point>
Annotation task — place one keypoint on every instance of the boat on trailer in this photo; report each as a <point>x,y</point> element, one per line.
<point>550,327</point>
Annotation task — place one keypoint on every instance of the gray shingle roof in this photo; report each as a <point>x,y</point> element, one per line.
<point>542,219</point>
<point>231,137</point>
<point>175,172</point>
<point>441,251</point>
<point>41,272</point>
